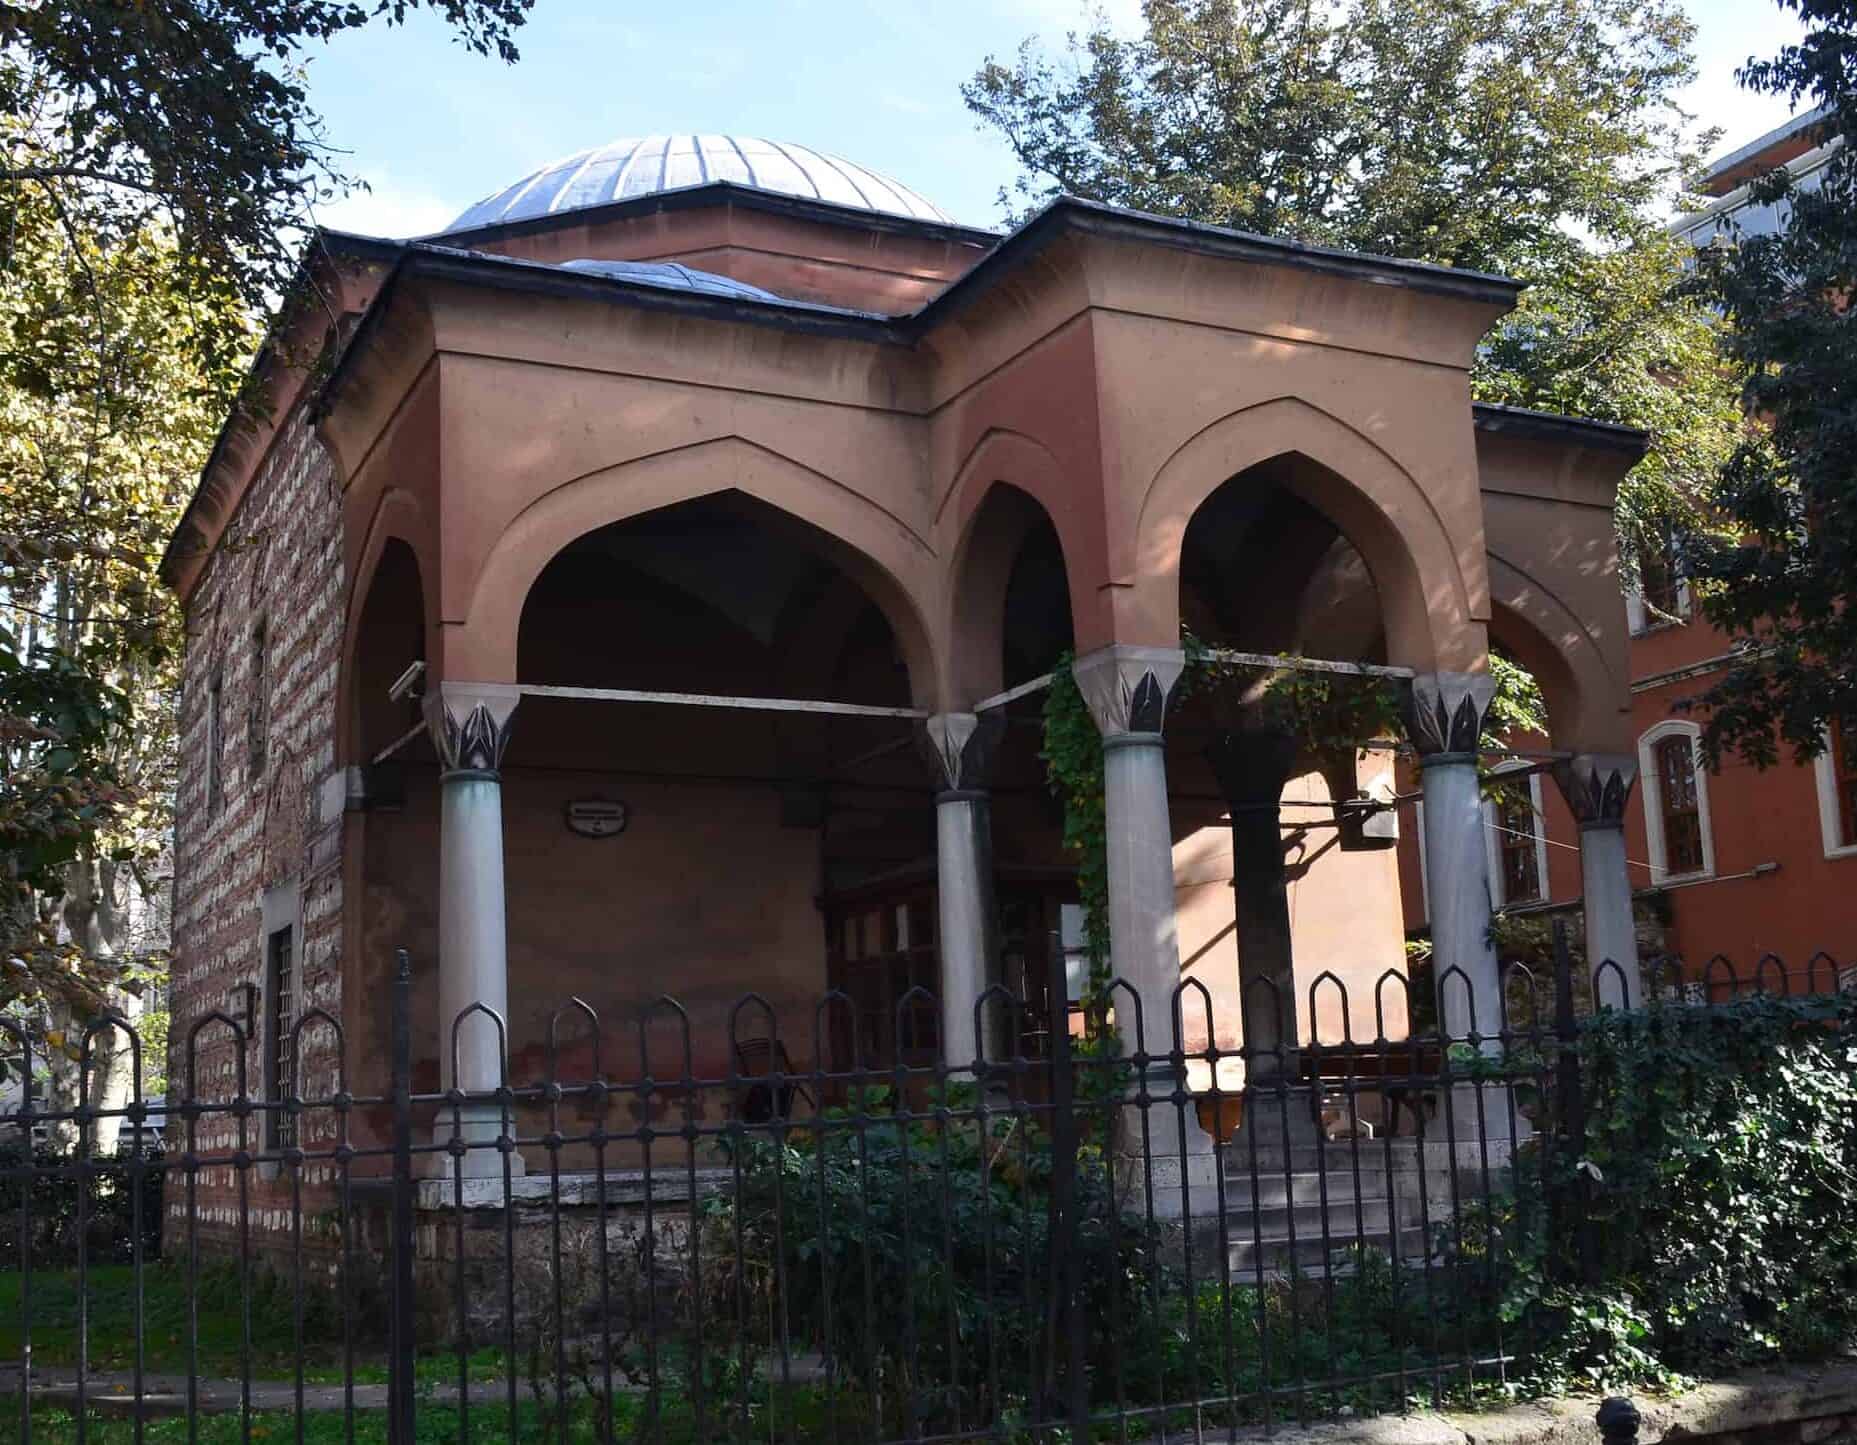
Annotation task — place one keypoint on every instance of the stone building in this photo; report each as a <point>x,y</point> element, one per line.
<point>646,585</point>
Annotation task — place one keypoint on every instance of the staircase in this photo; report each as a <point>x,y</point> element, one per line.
<point>1310,1203</point>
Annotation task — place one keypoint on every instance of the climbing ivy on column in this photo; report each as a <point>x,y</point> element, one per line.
<point>1073,759</point>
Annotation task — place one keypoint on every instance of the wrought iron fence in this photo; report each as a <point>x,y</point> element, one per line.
<point>624,1242</point>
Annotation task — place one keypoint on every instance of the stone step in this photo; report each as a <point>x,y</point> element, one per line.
<point>1275,1254</point>
<point>1348,1220</point>
<point>1303,1186</point>
<point>1333,1158</point>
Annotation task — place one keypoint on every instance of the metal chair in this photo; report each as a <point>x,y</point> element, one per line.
<point>759,1059</point>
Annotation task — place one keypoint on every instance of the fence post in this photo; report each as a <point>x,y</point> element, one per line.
<point>1063,1306</point>
<point>400,1404</point>
<point>1618,1420</point>
<point>1572,1091</point>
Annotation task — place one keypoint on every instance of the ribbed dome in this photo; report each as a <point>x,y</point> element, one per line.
<point>635,167</point>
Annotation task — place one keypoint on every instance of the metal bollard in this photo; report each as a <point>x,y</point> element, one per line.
<point>1618,1421</point>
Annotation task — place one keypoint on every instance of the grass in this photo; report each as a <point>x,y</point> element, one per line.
<point>219,1347</point>
<point>436,1423</point>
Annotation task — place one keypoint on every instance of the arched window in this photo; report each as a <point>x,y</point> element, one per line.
<point>1682,809</point>
<point>1676,803</point>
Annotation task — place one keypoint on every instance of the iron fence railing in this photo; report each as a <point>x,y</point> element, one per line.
<point>618,1240</point>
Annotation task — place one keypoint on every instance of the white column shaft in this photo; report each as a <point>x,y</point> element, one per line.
<point>963,889</point>
<point>472,938</point>
<point>1610,931</point>
<point>1143,945</point>
<point>1457,879</point>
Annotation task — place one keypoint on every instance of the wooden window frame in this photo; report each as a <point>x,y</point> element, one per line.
<point>1656,811</point>
<point>1835,771</point>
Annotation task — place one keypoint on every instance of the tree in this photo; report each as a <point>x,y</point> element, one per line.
<point>192,114</point>
<point>1615,336</point>
<point>1533,137</point>
<point>107,407</point>
<point>157,168</point>
<point>1780,581</point>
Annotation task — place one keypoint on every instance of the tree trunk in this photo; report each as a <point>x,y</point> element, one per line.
<point>93,921</point>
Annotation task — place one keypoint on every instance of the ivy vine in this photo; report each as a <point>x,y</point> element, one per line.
<point>1073,759</point>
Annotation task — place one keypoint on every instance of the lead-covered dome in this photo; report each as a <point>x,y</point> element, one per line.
<point>633,167</point>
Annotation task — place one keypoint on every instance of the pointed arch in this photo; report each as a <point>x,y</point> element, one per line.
<point>1588,700</point>
<point>1021,461</point>
<point>894,565</point>
<point>398,522</point>
<point>1432,585</point>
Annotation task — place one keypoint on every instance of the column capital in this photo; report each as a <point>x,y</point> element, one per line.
<point>959,748</point>
<point>1127,686</point>
<point>469,723</point>
<point>1597,786</point>
<point>1445,710</point>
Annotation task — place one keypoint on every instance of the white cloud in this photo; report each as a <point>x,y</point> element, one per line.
<point>390,207</point>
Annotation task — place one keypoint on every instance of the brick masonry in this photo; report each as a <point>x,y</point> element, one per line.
<point>256,852</point>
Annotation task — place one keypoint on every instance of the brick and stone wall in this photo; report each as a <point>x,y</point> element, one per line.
<point>258,831</point>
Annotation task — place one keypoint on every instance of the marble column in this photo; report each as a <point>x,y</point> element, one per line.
<point>1127,688</point>
<point>1444,718</point>
<point>960,747</point>
<point>1597,787</point>
<point>469,723</point>
<point>1252,765</point>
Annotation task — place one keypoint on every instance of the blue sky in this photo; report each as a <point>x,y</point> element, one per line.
<point>432,128</point>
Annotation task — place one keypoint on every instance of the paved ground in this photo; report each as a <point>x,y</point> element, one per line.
<point>167,1394</point>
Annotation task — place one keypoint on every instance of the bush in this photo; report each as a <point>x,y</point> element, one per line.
<point>1717,1190</point>
<point>913,1252</point>
<point>52,1182</point>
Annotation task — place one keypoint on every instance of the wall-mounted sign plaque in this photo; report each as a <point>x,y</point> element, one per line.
<point>596,817</point>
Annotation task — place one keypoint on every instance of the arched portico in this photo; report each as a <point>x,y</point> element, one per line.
<point>398,533</point>
<point>894,564</point>
<point>1434,603</point>
<point>1588,698</point>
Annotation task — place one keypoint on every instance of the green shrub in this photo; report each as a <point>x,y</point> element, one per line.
<point>913,1253</point>
<point>1711,1219</point>
<point>51,1183</point>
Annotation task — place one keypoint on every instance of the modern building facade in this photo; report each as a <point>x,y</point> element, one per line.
<point>647,586</point>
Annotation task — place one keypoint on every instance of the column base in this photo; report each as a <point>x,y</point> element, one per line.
<point>1163,1148</point>
<point>479,1125</point>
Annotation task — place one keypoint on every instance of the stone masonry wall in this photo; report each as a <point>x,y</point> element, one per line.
<point>258,849</point>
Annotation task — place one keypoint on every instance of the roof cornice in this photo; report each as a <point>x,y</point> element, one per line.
<point>325,246</point>
<point>431,261</point>
<point>445,260</point>
<point>1072,213</point>
<point>1527,424</point>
